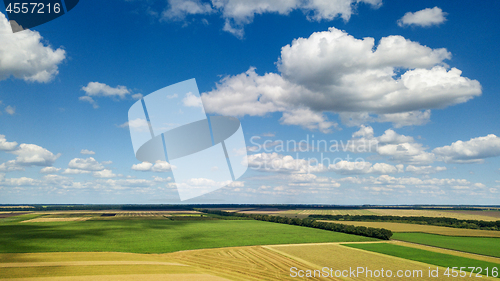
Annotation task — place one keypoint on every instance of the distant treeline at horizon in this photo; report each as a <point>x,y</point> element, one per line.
<point>436,221</point>
<point>167,207</point>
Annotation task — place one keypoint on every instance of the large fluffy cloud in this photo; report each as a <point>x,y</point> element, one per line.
<point>471,151</point>
<point>331,71</point>
<point>26,56</point>
<point>34,155</point>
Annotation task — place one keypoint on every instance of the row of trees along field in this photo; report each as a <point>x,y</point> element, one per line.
<point>438,221</point>
<point>380,233</point>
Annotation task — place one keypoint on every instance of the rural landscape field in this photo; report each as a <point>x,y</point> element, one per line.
<point>261,140</point>
<point>241,243</point>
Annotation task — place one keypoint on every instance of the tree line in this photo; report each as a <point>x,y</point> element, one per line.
<point>437,221</point>
<point>379,233</point>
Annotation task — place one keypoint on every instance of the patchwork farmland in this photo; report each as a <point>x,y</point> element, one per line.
<point>192,245</point>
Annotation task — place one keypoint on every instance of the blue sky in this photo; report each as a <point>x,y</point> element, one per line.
<point>417,80</point>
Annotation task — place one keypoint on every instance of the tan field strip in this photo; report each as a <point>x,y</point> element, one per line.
<point>328,212</point>
<point>236,263</point>
<point>239,263</point>
<point>58,219</point>
<point>80,257</point>
<point>244,263</point>
<point>84,263</point>
<point>130,277</point>
<point>470,215</point>
<point>408,227</point>
<point>339,257</point>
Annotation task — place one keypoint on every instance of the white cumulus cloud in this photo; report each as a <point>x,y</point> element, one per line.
<point>49,170</point>
<point>10,110</point>
<point>274,162</point>
<point>331,71</point>
<point>34,155</point>
<point>471,151</point>
<point>96,89</point>
<point>144,166</point>
<point>238,13</point>
<point>70,171</point>
<point>179,9</point>
<point>88,164</point>
<point>106,173</point>
<point>5,145</point>
<point>26,55</point>
<point>87,152</point>
<point>159,166</point>
<point>424,169</point>
<point>425,18</point>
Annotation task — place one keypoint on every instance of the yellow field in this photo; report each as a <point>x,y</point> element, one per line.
<point>237,263</point>
<point>117,212</point>
<point>64,216</point>
<point>240,263</point>
<point>461,215</point>
<point>129,277</point>
<point>43,219</point>
<point>339,257</point>
<point>328,212</point>
<point>408,227</point>
<point>97,266</point>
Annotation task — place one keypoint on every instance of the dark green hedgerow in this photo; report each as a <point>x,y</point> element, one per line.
<point>441,221</point>
<point>379,233</point>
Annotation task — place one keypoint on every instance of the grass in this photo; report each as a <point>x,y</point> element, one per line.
<point>155,236</point>
<point>408,227</point>
<point>477,245</point>
<point>439,259</point>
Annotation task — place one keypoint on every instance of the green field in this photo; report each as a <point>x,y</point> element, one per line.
<point>155,235</point>
<point>477,245</point>
<point>424,256</point>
